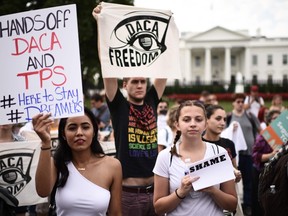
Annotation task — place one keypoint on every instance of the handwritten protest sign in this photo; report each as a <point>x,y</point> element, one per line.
<point>212,171</point>
<point>18,163</point>
<point>40,64</point>
<point>276,133</point>
<point>138,42</point>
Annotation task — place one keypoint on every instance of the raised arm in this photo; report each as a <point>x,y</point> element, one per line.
<point>110,84</point>
<point>160,85</point>
<point>46,170</point>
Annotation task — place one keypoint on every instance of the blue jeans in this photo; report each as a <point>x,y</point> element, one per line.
<point>245,166</point>
<point>137,204</point>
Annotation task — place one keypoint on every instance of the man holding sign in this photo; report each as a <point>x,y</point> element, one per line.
<point>134,42</point>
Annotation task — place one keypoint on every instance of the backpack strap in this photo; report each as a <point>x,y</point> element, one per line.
<point>255,129</point>
<point>217,147</point>
<point>171,156</point>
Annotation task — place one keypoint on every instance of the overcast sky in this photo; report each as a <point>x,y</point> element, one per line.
<point>270,16</point>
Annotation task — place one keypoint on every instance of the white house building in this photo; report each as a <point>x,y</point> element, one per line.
<point>219,55</point>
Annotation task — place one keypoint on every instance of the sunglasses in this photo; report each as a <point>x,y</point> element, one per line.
<point>239,101</point>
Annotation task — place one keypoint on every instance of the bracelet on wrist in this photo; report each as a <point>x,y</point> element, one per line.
<point>45,148</point>
<point>178,195</point>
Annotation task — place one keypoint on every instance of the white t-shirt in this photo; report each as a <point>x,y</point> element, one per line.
<point>197,203</point>
<point>165,136</point>
<point>254,106</point>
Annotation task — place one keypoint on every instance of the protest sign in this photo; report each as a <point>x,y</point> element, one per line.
<point>138,42</point>
<point>212,171</point>
<point>18,163</point>
<point>40,64</point>
<point>276,134</point>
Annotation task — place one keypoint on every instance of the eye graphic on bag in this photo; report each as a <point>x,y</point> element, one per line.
<point>138,39</point>
<point>15,169</point>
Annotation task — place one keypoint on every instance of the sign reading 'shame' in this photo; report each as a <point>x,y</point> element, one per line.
<point>40,64</point>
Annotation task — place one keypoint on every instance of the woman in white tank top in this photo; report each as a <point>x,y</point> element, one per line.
<point>88,182</point>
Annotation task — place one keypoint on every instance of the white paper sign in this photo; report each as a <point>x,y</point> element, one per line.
<point>212,171</point>
<point>40,64</point>
<point>18,163</point>
<point>138,42</point>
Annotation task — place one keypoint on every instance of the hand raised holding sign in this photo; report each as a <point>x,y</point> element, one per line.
<point>42,123</point>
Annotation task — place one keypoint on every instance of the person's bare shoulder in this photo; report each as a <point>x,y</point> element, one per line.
<point>113,162</point>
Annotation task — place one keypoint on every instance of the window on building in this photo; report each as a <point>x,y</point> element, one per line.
<point>215,61</point>
<point>233,60</point>
<point>285,81</point>
<point>285,59</point>
<point>197,61</point>
<point>254,60</point>
<point>254,80</point>
<point>270,79</point>
<point>269,60</point>
<point>198,80</point>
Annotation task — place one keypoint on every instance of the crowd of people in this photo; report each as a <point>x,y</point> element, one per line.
<point>152,183</point>
<point>153,141</point>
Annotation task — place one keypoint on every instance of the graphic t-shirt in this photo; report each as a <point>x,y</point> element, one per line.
<point>135,132</point>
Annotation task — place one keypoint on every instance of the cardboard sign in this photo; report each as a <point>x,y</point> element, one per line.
<point>138,42</point>
<point>40,64</point>
<point>18,163</point>
<point>212,171</point>
<point>276,133</point>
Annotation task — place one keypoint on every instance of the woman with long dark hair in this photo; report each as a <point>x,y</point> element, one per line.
<point>88,182</point>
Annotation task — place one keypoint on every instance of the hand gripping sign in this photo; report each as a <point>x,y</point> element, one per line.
<point>138,42</point>
<point>40,64</point>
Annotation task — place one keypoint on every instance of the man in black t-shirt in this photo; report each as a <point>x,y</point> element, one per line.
<point>135,130</point>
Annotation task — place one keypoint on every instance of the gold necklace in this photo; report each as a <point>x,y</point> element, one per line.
<point>83,168</point>
<point>80,168</point>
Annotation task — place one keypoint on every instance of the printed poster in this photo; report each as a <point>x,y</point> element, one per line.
<point>212,171</point>
<point>18,163</point>
<point>40,64</point>
<point>138,42</point>
<point>276,133</point>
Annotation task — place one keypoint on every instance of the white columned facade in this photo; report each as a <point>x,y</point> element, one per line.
<point>227,72</point>
<point>188,62</point>
<point>207,75</point>
<point>247,64</point>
